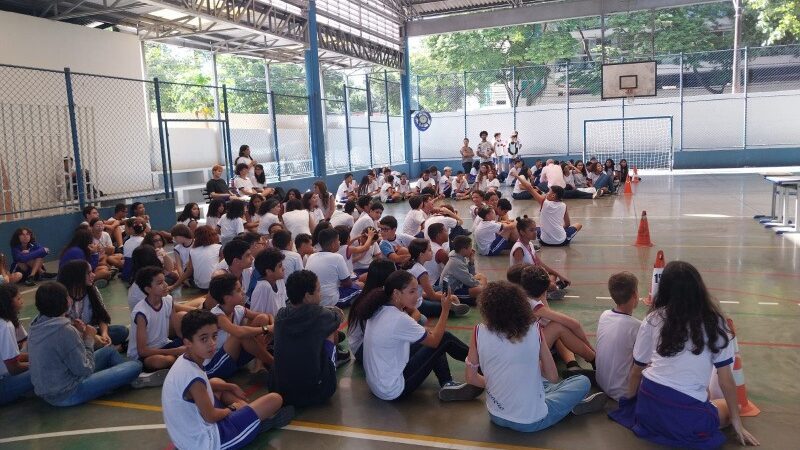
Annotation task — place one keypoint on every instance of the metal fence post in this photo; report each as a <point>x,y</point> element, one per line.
<point>369,123</point>
<point>157,89</point>
<point>388,122</point>
<point>227,129</point>
<point>680,95</point>
<point>568,111</point>
<point>465,103</point>
<point>73,124</point>
<point>744,106</point>
<point>347,128</point>
<point>419,137</point>
<point>513,98</point>
<point>274,118</point>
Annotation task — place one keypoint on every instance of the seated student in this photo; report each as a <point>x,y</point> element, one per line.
<point>237,259</point>
<point>347,189</point>
<point>492,184</point>
<point>510,357</point>
<point>376,276</point>
<point>363,250</point>
<point>555,228</point>
<point>81,247</point>
<point>395,370</point>
<point>232,223</point>
<point>156,241</point>
<point>136,231</point>
<point>425,181</point>
<point>251,216</point>
<point>115,225</point>
<point>344,217</point>
<point>105,246</point>
<point>461,189</point>
<point>459,272</point>
<point>216,210</point>
<point>27,256</point>
<point>503,208</point>
<point>370,219</point>
<point>205,254</point>
<point>515,170</point>
<point>477,201</point>
<point>242,332</point>
<point>65,369</point>
<point>296,219</point>
<point>242,181</point>
<point>403,186</point>
<point>524,252</point>
<point>152,320</point>
<point>388,193</point>
<point>259,180</point>
<point>599,180</point>
<point>393,245</point>
<point>556,326</point>
<point>311,203</point>
<point>445,183</point>
<point>323,225</point>
<point>331,268</point>
<point>269,295</point>
<point>305,344</point>
<point>679,344</point>
<point>440,248</point>
<point>183,238</point>
<point>303,244</point>
<point>268,214</point>
<point>616,335</point>
<point>282,240</point>
<point>190,216</point>
<point>373,185</point>
<point>15,378</point>
<point>209,413</point>
<point>572,190</point>
<point>144,256</point>
<point>412,223</point>
<point>86,304</point>
<point>7,277</point>
<point>493,237</point>
<point>429,302</point>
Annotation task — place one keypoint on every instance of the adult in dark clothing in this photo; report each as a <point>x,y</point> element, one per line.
<point>304,344</point>
<point>216,186</point>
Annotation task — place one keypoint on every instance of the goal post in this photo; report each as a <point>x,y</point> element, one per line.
<point>644,142</point>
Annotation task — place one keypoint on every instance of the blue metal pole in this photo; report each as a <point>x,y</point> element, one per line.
<point>568,111</point>
<point>73,124</point>
<point>680,93</point>
<point>513,98</point>
<point>405,93</point>
<point>274,118</point>
<point>744,106</point>
<point>347,128</point>
<point>171,190</point>
<point>157,90</point>
<point>317,136</point>
<point>227,130</point>
<point>369,123</point>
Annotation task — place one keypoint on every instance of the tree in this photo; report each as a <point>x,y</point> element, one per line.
<point>778,20</point>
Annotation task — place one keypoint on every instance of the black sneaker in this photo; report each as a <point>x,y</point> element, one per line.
<point>342,358</point>
<point>577,370</point>
<point>453,391</point>
<point>592,403</point>
<point>459,309</point>
<point>281,418</point>
<point>48,275</point>
<point>29,282</point>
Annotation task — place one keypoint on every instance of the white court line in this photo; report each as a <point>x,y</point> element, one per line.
<point>729,301</point>
<point>768,303</point>
<point>30,437</point>
<point>578,296</point>
<point>603,298</point>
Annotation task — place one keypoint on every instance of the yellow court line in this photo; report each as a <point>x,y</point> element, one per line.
<point>303,426</point>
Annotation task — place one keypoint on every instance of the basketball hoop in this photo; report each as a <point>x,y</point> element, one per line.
<point>630,95</point>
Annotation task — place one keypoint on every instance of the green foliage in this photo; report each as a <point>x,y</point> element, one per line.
<point>777,20</point>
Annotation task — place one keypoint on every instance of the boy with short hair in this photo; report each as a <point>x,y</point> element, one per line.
<point>459,272</point>
<point>305,344</point>
<point>269,295</point>
<point>344,217</point>
<point>374,212</point>
<point>242,332</point>
<point>485,150</point>
<point>282,240</point>
<point>425,181</point>
<point>412,224</point>
<point>183,238</point>
<point>331,268</point>
<point>555,227</point>
<point>440,247</point>
<point>403,186</point>
<point>616,335</point>
<point>303,244</point>
<point>461,186</point>
<point>388,194</point>
<point>209,413</point>
<point>445,184</point>
<point>347,190</point>
<point>393,245</point>
<point>493,237</point>
<point>237,260</point>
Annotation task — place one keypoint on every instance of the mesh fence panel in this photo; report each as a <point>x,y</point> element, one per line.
<point>707,73</point>
<point>336,154</point>
<point>771,69</point>
<point>251,124</point>
<point>398,152</point>
<point>360,153</point>
<point>379,121</point>
<point>294,148</point>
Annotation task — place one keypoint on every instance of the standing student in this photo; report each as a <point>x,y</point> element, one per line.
<point>27,256</point>
<point>269,295</point>
<point>509,356</point>
<point>305,344</point>
<point>499,147</point>
<point>15,378</point>
<point>466,156</point>
<point>616,336</point>
<point>242,332</point>
<point>393,369</point>
<point>331,268</point>
<point>485,149</point>
<point>232,223</point>
<point>514,146</point>
<point>429,302</point>
<point>86,304</point>
<point>681,341</point>
<point>65,369</point>
<point>203,413</point>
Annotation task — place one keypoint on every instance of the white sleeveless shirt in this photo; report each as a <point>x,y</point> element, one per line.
<point>528,253</point>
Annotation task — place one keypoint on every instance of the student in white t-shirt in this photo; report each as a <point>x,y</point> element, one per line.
<point>425,181</point>
<point>499,147</point>
<point>616,335</point>
<point>388,193</point>
<point>296,219</point>
<point>136,230</point>
<point>678,346</point>
<point>491,237</point>
<point>555,228</point>
<point>510,357</point>
<point>269,295</point>
<point>347,189</point>
<point>15,379</point>
<point>430,301</point>
<point>445,183</point>
<point>203,413</point>
<point>292,262</point>
<point>412,223</point>
<point>232,223</point>
<point>403,186</point>
<point>331,269</point>
<point>440,248</point>
<point>268,213</point>
<point>461,190</point>
<point>183,239</point>
<point>492,183</point>
<point>398,353</point>
<point>205,254</point>
<point>242,181</point>
<point>344,217</point>
<point>367,219</point>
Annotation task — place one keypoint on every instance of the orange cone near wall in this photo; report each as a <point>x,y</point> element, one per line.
<point>658,269</point>
<point>643,237</point>
<point>628,190</point>
<point>746,407</point>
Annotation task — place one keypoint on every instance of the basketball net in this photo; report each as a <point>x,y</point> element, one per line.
<point>630,95</point>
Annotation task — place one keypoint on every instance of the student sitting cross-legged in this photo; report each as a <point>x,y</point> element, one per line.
<point>305,344</point>
<point>331,268</point>
<point>15,378</point>
<point>269,295</point>
<point>459,272</point>
<point>493,237</point>
<point>209,413</point>
<point>510,357</point>
<point>242,333</point>
<point>65,369</point>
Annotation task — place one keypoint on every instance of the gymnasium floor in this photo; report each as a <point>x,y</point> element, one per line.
<point>703,219</point>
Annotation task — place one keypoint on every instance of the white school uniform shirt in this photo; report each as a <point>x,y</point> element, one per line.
<point>528,253</point>
<point>448,222</point>
<point>482,185</point>
<point>183,254</point>
<point>344,250</point>
<point>255,182</point>
<point>266,299</point>
<point>361,224</point>
<point>374,185</point>
<point>485,234</point>
<point>518,185</point>
<point>423,183</point>
<point>418,270</point>
<point>435,269</point>
<point>365,259</point>
<point>135,295</point>
<point>242,183</point>
<point>510,178</point>
<point>412,223</point>
<point>157,321</point>
<point>230,228</point>
<point>9,348</point>
<point>403,188</point>
<point>204,260</point>
<point>266,221</point>
<point>460,186</point>
<point>292,262</point>
<point>685,372</point>
<point>330,268</point>
<point>104,240</point>
<point>551,222</point>
<point>385,191</point>
<point>342,191</point>
<point>130,245</point>
<point>185,425</point>
<point>212,221</point>
<point>387,341</point>
<point>222,335</point>
<point>493,184</point>
<point>444,183</point>
<point>342,218</point>
<point>355,337</point>
<point>616,336</point>
<point>499,148</point>
<point>514,384</point>
<point>297,221</point>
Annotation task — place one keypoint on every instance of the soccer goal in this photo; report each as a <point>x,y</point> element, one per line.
<point>644,142</point>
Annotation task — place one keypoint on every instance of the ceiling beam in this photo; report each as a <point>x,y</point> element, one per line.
<point>537,13</point>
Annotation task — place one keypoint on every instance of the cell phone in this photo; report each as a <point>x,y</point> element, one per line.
<point>446,287</point>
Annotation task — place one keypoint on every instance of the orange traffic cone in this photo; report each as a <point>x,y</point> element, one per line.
<point>628,190</point>
<point>746,407</point>
<point>635,175</point>
<point>643,237</point>
<point>658,269</point>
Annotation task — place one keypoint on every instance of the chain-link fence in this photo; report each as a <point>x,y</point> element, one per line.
<point>548,104</point>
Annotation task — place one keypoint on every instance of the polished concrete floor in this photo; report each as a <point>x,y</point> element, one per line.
<point>703,219</point>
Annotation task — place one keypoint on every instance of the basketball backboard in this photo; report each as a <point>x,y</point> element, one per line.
<point>631,79</point>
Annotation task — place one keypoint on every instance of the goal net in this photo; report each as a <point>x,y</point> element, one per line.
<point>644,142</point>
